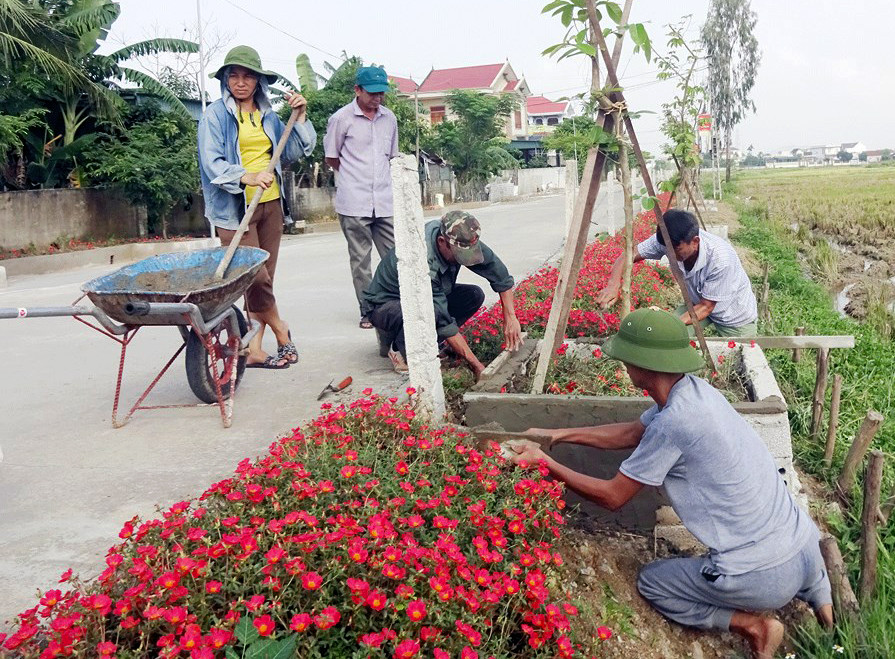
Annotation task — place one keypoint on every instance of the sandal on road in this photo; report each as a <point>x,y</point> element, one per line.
<point>287,351</point>
<point>270,362</point>
<point>365,323</point>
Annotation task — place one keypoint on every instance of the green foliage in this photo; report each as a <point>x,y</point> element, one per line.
<point>680,114</point>
<point>473,142</point>
<point>13,129</point>
<point>152,162</point>
<point>575,136</point>
<point>867,371</point>
<point>731,48</point>
<point>573,16</point>
<point>538,160</point>
<point>338,92</point>
<point>844,156</point>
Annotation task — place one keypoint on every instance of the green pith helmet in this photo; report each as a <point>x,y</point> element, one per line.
<point>247,57</point>
<point>654,340</point>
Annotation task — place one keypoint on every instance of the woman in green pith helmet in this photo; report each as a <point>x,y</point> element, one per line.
<point>237,137</point>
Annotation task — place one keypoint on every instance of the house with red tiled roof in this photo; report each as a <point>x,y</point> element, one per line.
<point>405,86</point>
<point>544,114</point>
<point>432,92</point>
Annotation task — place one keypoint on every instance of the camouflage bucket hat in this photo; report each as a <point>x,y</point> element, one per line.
<point>654,340</point>
<point>247,57</point>
<point>462,231</point>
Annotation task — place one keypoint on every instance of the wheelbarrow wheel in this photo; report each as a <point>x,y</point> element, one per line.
<point>199,361</point>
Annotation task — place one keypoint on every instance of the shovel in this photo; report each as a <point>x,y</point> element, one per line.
<point>247,218</point>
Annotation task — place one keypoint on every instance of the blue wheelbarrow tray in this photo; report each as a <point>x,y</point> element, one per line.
<point>177,277</point>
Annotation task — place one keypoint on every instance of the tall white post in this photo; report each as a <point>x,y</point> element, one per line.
<point>571,191</point>
<point>416,288</point>
<point>201,53</point>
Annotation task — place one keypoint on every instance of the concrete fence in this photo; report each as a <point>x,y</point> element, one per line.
<point>41,217</point>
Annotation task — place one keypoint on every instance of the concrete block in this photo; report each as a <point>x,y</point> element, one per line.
<point>762,383</point>
<point>719,230</point>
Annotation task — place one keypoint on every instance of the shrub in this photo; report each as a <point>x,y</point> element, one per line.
<point>365,534</point>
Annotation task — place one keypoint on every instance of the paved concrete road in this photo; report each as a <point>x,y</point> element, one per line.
<point>68,480</point>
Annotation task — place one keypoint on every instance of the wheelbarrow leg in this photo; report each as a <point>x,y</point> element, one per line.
<point>232,359</point>
<point>151,386</point>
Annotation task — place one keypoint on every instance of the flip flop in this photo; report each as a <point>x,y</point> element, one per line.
<point>271,362</point>
<point>288,351</point>
<point>365,323</point>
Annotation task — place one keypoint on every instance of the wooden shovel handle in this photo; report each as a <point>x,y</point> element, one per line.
<point>344,383</point>
<point>247,218</point>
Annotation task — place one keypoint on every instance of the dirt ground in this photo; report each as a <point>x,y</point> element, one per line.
<point>601,571</point>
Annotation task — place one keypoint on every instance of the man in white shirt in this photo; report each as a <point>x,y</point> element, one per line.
<point>716,281</point>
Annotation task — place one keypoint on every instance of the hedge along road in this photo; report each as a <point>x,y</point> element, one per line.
<point>69,480</point>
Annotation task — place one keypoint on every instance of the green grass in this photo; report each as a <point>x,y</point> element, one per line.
<point>868,373</point>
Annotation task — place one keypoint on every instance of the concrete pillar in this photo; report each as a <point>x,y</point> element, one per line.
<point>2,277</point>
<point>571,186</point>
<point>416,288</point>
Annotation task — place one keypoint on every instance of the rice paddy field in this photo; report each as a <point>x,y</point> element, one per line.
<point>828,235</point>
<point>855,204</point>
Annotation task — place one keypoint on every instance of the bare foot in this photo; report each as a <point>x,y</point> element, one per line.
<point>768,637</point>
<point>824,615</point>
<point>763,634</point>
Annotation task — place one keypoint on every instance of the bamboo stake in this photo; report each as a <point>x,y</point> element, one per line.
<point>834,420</point>
<point>618,98</point>
<point>869,547</point>
<point>629,222</point>
<point>797,353</point>
<point>845,603</point>
<point>856,452</point>
<point>765,311</point>
<point>820,392</point>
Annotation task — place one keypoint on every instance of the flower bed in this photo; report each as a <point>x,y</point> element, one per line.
<point>364,534</point>
<point>651,284</point>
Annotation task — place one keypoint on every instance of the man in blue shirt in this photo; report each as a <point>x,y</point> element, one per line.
<point>722,483</point>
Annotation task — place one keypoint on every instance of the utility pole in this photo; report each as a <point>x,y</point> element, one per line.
<point>201,54</point>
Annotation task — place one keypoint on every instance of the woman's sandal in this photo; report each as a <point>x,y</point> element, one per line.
<point>271,362</point>
<point>287,351</point>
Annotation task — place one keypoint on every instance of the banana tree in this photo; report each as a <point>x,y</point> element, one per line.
<point>87,23</point>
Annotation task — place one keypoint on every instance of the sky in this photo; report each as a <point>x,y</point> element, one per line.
<point>825,75</point>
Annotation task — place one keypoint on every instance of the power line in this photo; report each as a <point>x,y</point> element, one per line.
<point>282,31</point>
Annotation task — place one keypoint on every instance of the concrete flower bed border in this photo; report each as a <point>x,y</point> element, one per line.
<point>766,411</point>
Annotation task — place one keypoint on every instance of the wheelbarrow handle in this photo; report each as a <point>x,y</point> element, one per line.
<point>62,312</point>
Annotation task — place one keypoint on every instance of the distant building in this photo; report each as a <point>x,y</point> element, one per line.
<point>404,86</point>
<point>876,155</point>
<point>544,114</point>
<point>433,91</point>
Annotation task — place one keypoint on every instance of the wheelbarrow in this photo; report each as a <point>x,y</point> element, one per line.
<point>181,290</point>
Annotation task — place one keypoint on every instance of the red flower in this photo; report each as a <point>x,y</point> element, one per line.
<point>407,649</point>
<point>440,654</point>
<point>373,640</point>
<point>328,617</point>
<point>255,602</point>
<point>416,610</point>
<point>106,648</point>
<point>604,633</point>
<point>218,638</point>
<point>468,653</point>
<point>300,622</point>
<point>376,600</point>
<point>311,581</point>
<point>731,344</point>
<point>213,587</point>
<point>265,625</point>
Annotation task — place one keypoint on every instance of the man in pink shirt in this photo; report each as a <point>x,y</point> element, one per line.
<point>360,140</point>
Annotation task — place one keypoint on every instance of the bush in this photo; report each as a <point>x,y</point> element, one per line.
<point>365,534</point>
